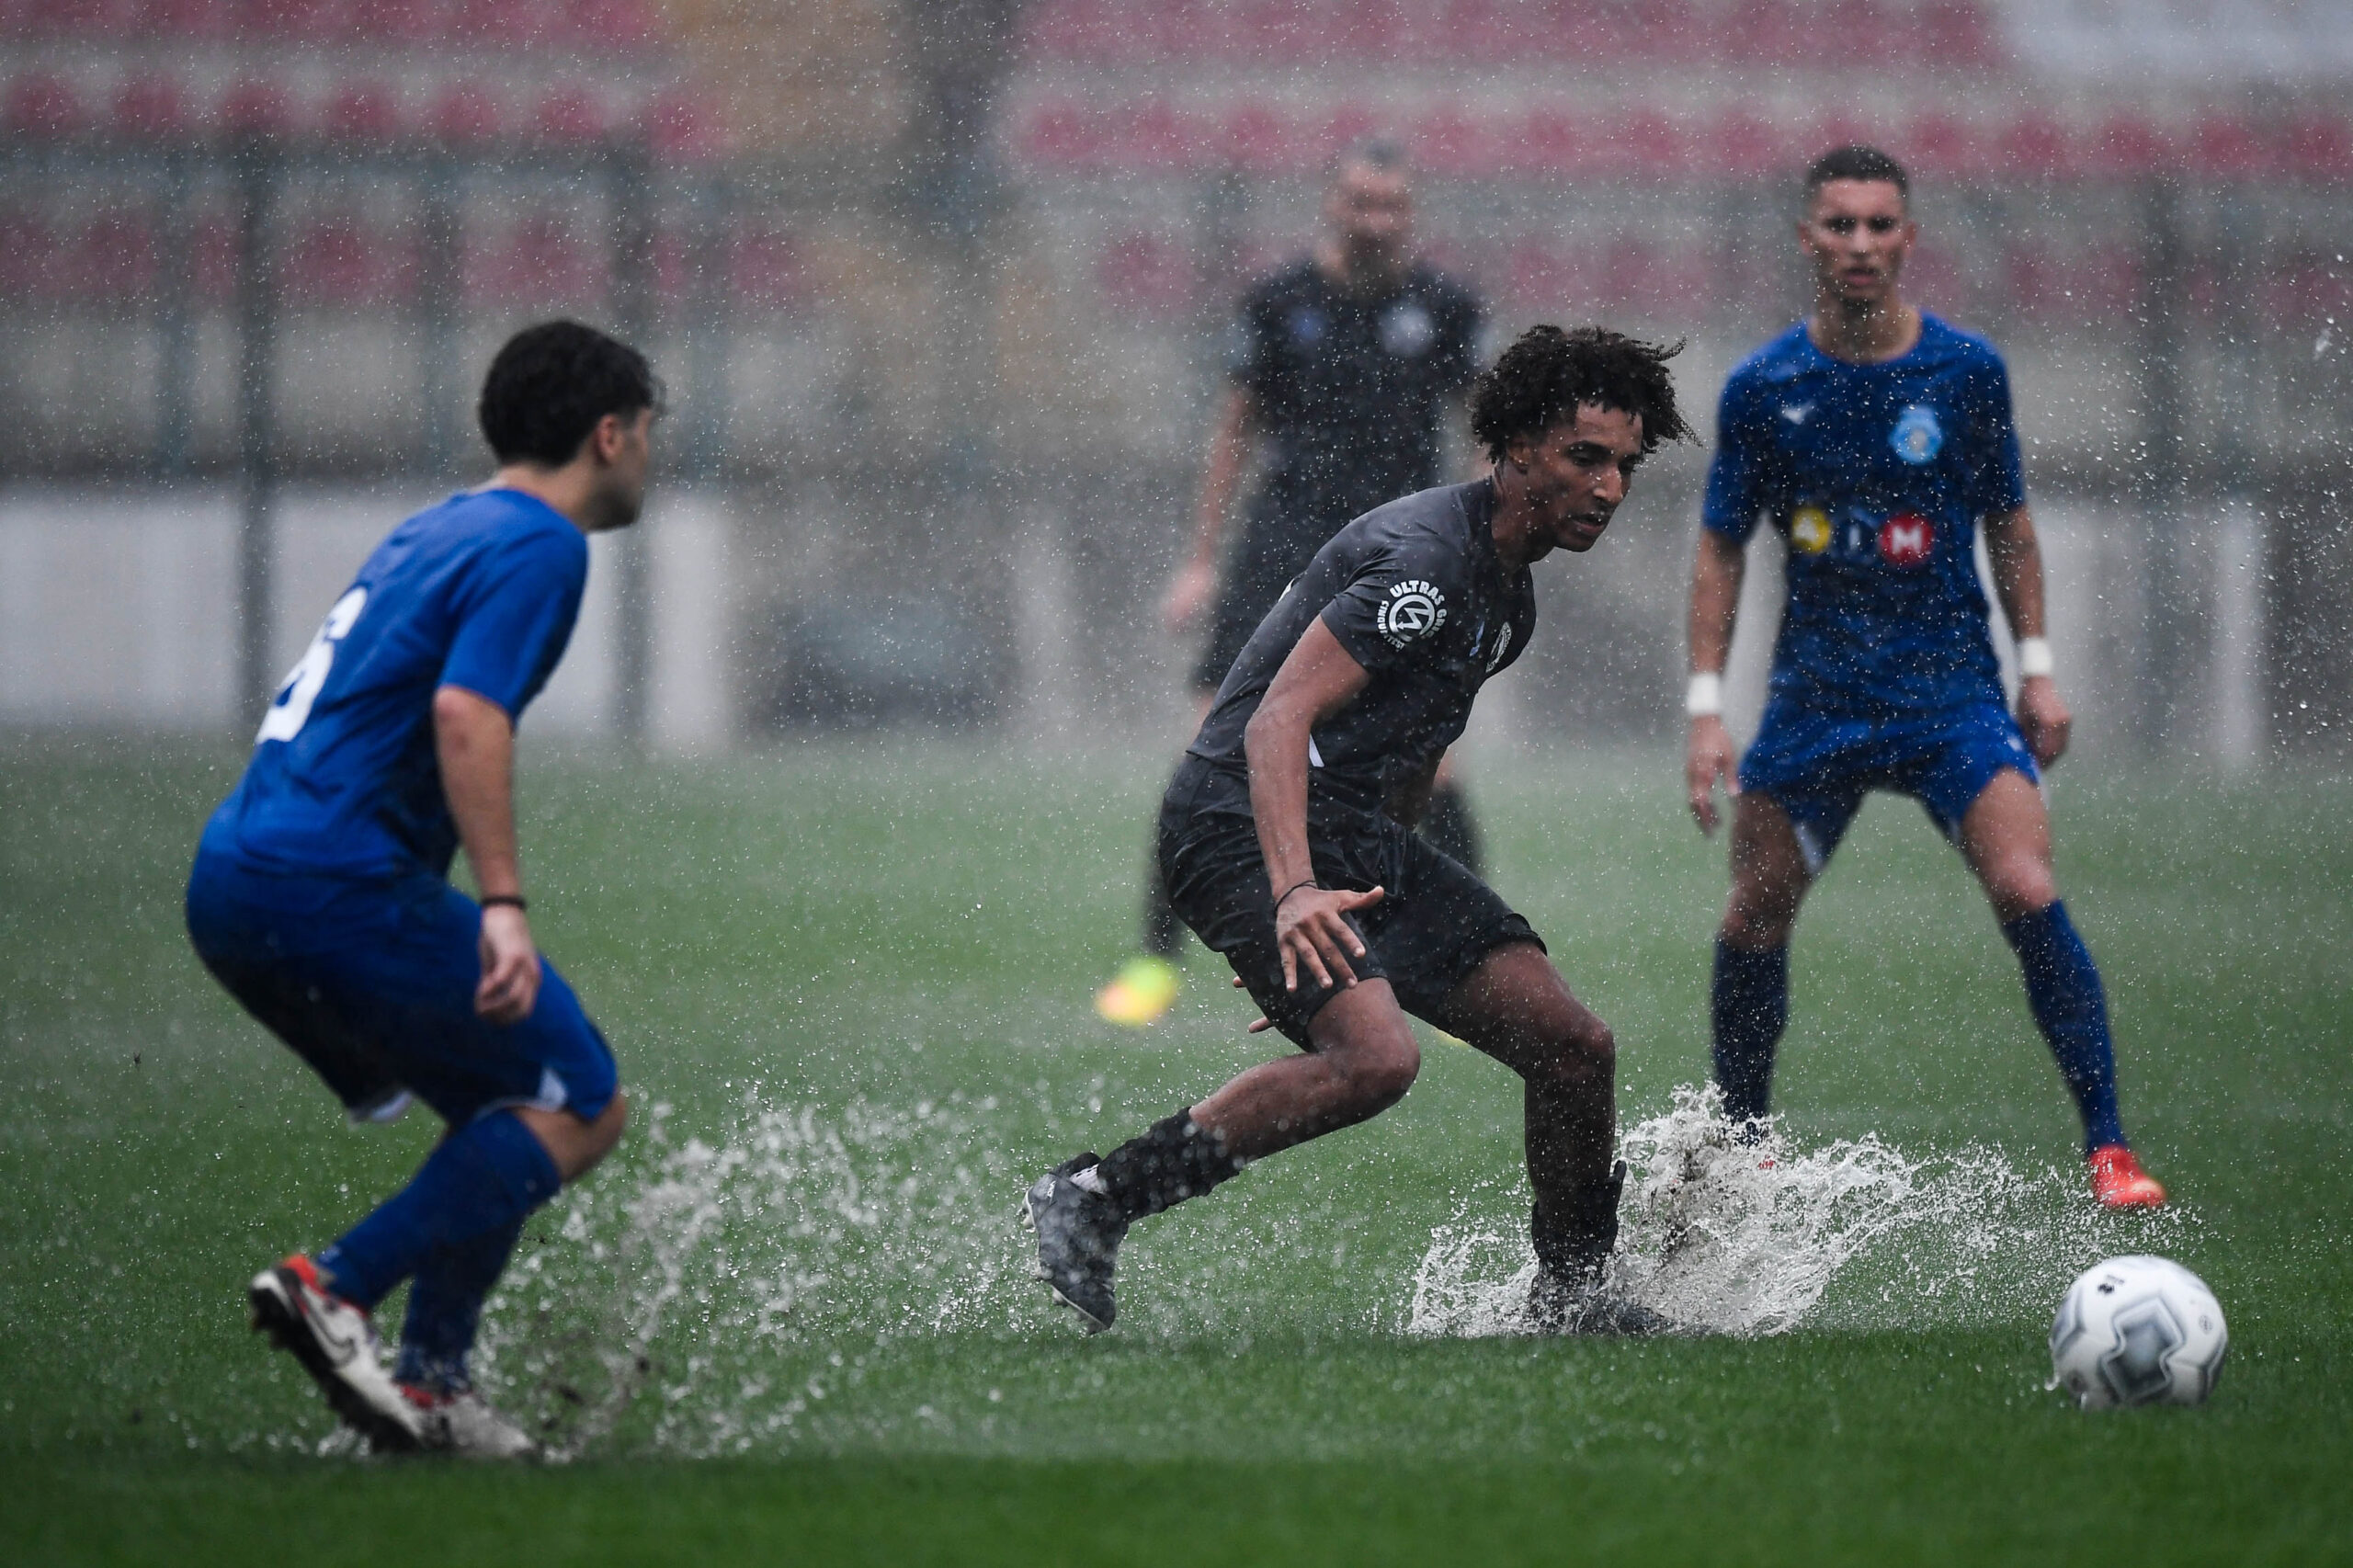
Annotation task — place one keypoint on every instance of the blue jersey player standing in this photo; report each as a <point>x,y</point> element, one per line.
<point>320,895</point>
<point>1877,441</point>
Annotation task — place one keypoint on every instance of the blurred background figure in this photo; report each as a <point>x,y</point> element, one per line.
<point>1344,365</point>
<point>978,258</point>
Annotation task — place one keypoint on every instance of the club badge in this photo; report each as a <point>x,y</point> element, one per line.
<point>1406,330</point>
<point>1413,610</point>
<point>1809,531</point>
<point>1918,438</point>
<point>1906,541</point>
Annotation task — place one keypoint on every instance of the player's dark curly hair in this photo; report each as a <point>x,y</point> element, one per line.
<point>550,383</point>
<point>1856,163</point>
<point>1547,374</point>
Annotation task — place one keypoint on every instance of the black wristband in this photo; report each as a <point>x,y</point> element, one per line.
<point>1309,882</point>
<point>512,900</point>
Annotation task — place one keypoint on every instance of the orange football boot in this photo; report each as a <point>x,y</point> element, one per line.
<point>2118,1182</point>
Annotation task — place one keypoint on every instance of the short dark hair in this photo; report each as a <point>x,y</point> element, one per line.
<point>550,384</point>
<point>1856,163</point>
<point>1547,374</point>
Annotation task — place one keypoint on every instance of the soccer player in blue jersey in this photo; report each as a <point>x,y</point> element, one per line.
<point>320,895</point>
<point>1877,439</point>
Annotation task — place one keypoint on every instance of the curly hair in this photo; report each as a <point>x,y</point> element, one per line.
<point>550,384</point>
<point>1547,374</point>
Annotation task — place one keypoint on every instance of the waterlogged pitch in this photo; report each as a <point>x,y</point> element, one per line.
<point>792,1320</point>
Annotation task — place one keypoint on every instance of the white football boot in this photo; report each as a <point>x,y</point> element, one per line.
<point>336,1341</point>
<point>462,1421</point>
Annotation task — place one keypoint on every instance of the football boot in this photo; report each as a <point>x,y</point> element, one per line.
<point>336,1343</point>
<point>1078,1231</point>
<point>460,1421</point>
<point>2118,1182</point>
<point>1143,990</point>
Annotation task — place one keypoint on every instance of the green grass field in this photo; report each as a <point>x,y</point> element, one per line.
<point>848,986</point>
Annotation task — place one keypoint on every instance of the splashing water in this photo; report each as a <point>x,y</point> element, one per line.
<point>702,1309</point>
<point>1736,1237</point>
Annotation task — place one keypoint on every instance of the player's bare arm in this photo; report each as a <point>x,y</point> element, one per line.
<point>474,741</point>
<point>1318,680</point>
<point>1709,755</point>
<point>2016,556</point>
<point>1195,585</point>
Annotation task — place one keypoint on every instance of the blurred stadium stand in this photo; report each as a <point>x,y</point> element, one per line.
<point>938,289</point>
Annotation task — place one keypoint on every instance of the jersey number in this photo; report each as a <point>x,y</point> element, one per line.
<point>292,710</point>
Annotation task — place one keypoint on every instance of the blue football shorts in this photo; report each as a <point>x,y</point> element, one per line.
<point>372,984</point>
<point>1818,767</point>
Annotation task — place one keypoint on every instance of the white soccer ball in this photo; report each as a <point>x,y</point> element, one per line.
<point>2138,1331</point>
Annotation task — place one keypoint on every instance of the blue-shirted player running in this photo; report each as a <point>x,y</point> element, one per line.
<point>320,895</point>
<point>1878,440</point>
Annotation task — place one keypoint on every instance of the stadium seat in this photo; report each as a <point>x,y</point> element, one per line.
<point>41,104</point>
<point>1760,32</point>
<point>540,261</point>
<point>1856,32</point>
<point>257,109</point>
<point>569,115</point>
<point>2221,148</point>
<point>362,111</point>
<point>480,22</point>
<point>465,113</point>
<point>149,106</point>
<point>1473,29</point>
<point>185,18</point>
<point>308,21</point>
<point>765,270</point>
<point>401,21</point>
<point>77,19</point>
<point>2127,147</point>
<point>1449,141</point>
<point>1064,135</point>
<point>29,259</point>
<point>113,260</point>
<point>1941,146</point>
<point>617,27</point>
<point>681,128</point>
<point>1636,143</point>
<point>1147,273</point>
<point>1954,35</point>
<point>1743,144</point>
<point>1157,136</point>
<point>338,260</point>
<point>2033,147</point>
<point>1546,140</point>
<point>1258,139</point>
<point>2319,147</point>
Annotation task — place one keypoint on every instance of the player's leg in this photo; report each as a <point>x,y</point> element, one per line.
<point>1146,985</point>
<point>2006,837</point>
<point>1749,994</point>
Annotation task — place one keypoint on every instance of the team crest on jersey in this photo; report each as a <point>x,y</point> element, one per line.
<point>1809,531</point>
<point>1406,330</point>
<point>1918,438</point>
<point>1307,324</point>
<point>1906,541</point>
<point>1414,609</point>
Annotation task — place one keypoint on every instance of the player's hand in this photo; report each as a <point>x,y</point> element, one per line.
<point>1314,939</point>
<point>1706,758</point>
<point>1188,595</point>
<point>2044,716</point>
<point>510,967</point>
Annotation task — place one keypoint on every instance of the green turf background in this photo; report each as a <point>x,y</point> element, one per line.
<point>896,945</point>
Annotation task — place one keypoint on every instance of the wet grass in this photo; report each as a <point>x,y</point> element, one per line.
<point>887,952</point>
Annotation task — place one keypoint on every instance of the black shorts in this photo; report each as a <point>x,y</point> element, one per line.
<point>1435,924</point>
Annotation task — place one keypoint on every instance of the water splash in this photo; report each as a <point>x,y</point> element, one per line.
<point>1727,1236</point>
<point>704,1306</point>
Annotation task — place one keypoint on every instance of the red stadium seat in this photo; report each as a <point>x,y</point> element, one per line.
<point>464,114</point>
<point>1761,32</point>
<point>1641,143</point>
<point>77,18</point>
<point>401,21</point>
<point>1473,29</point>
<point>1258,139</point>
<point>1147,273</point>
<point>1158,137</point>
<point>1745,144</point>
<point>1857,32</point>
<point>2127,147</point>
<point>1954,35</point>
<point>766,270</point>
<point>150,106</point>
<point>29,263</point>
<point>569,115</point>
<point>619,26</point>
<point>540,261</point>
<point>185,18</point>
<point>2229,149</point>
<point>502,21</point>
<point>113,261</point>
<point>1942,147</point>
<point>1064,135</point>
<point>42,103</point>
<point>362,111</point>
<point>681,128</point>
<point>1066,29</point>
<point>309,20</point>
<point>1449,141</point>
<point>2319,147</point>
<point>258,108</point>
<point>1545,141</point>
<point>2035,147</point>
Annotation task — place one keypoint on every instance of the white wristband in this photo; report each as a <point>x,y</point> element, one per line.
<point>1706,697</point>
<point>2034,656</point>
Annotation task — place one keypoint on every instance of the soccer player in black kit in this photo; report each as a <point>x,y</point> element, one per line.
<point>1339,920</point>
<point>1343,366</point>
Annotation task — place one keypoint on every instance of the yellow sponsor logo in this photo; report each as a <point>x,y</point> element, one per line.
<point>1810,530</point>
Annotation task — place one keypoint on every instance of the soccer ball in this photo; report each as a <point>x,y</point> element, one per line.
<point>2138,1331</point>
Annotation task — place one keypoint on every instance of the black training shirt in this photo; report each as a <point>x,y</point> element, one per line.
<point>1418,595</point>
<point>1349,389</point>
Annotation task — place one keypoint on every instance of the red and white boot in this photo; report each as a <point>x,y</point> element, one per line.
<point>336,1341</point>
<point>2118,1182</point>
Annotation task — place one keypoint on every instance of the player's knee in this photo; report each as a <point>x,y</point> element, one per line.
<point>1381,1074</point>
<point>1758,917</point>
<point>603,1133</point>
<point>2020,884</point>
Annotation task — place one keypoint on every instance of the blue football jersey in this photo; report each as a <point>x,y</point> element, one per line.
<point>1876,475</point>
<point>480,591</point>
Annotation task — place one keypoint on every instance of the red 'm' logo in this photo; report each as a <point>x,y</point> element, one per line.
<point>1905,540</point>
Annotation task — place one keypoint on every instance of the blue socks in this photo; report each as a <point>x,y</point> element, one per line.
<point>1749,1003</point>
<point>482,1180</point>
<point>445,1307</point>
<point>2063,987</point>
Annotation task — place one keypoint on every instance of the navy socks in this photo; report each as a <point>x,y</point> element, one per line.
<point>484,1177</point>
<point>2070,1007</point>
<point>445,1308</point>
<point>1749,1003</point>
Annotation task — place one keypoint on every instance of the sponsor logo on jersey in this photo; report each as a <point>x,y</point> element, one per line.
<point>1407,329</point>
<point>1795,412</point>
<point>1414,609</point>
<point>1306,324</point>
<point>1809,531</point>
<point>1906,541</point>
<point>1917,437</point>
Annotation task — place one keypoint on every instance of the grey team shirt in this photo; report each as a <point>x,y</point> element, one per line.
<point>1415,593</point>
